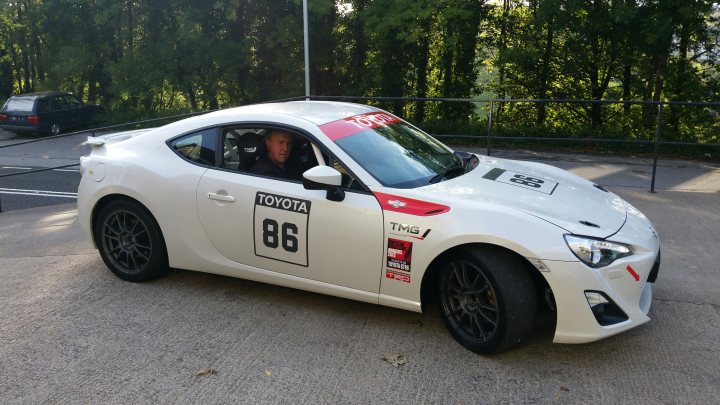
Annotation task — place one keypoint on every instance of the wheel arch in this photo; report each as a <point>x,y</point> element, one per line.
<point>427,286</point>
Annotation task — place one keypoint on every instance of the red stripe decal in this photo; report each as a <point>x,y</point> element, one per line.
<point>358,123</point>
<point>633,273</point>
<point>410,206</point>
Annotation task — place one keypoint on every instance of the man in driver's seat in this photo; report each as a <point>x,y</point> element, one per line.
<point>277,161</point>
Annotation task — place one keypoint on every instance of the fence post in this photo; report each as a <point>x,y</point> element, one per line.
<point>489,128</point>
<point>657,146</point>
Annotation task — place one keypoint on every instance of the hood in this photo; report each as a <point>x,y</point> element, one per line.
<point>547,192</point>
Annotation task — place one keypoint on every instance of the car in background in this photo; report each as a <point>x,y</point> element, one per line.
<point>48,112</point>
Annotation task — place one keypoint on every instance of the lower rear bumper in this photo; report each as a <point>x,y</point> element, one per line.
<point>21,128</point>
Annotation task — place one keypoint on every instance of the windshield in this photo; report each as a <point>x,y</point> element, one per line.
<point>22,104</point>
<point>397,154</point>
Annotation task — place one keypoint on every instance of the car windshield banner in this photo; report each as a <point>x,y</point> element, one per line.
<point>358,123</point>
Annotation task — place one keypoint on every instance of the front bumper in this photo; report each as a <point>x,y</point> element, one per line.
<point>627,283</point>
<point>576,322</point>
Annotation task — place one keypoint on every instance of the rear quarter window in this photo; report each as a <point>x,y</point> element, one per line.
<point>197,147</point>
<point>43,105</point>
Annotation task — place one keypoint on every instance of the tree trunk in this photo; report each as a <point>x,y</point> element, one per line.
<point>545,74</point>
<point>131,28</point>
<point>358,54</point>
<point>502,48</point>
<point>422,68</point>
<point>626,84</point>
<point>680,76</point>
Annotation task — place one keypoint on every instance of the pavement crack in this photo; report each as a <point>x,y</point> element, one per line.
<point>716,306</point>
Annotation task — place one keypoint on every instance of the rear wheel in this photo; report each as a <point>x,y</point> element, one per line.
<point>487,299</point>
<point>130,241</point>
<point>55,129</point>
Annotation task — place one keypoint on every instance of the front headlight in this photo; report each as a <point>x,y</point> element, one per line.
<point>594,252</point>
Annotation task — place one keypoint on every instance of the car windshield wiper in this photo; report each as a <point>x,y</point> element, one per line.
<point>459,169</point>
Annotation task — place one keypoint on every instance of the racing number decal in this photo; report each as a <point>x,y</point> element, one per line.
<point>281,228</point>
<point>522,180</point>
<point>289,235</point>
<point>527,181</point>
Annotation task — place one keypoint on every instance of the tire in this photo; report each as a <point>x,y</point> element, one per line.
<point>55,129</point>
<point>487,299</point>
<point>130,241</point>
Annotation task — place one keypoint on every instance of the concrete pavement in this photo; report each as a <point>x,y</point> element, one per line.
<point>71,332</point>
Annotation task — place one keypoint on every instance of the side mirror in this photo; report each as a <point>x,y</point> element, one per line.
<point>325,178</point>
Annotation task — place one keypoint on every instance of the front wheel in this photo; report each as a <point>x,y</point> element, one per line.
<point>130,241</point>
<point>487,299</point>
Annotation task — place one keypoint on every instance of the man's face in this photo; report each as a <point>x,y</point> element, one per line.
<point>278,147</point>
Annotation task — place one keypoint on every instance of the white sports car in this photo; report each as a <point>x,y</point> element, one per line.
<point>352,201</point>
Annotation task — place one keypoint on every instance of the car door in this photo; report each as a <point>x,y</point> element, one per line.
<point>76,109</point>
<point>60,114</point>
<point>278,225</point>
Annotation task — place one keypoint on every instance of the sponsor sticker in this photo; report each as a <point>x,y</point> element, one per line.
<point>399,255</point>
<point>411,231</point>
<point>404,277</point>
<point>281,228</point>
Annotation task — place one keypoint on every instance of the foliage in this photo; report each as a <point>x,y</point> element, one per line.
<point>160,57</point>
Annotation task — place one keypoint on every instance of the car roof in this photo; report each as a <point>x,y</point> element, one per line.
<point>40,94</point>
<point>317,112</point>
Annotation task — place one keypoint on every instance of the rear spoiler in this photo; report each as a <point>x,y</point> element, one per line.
<point>98,141</point>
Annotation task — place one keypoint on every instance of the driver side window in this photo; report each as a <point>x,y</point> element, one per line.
<point>269,152</point>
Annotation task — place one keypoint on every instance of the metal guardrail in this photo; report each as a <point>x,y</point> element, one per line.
<point>657,142</point>
<point>491,102</point>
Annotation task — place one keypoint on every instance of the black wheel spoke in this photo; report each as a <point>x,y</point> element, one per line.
<point>135,265</point>
<point>465,281</point>
<point>111,229</point>
<point>474,283</point>
<point>455,273</point>
<point>116,220</point>
<point>479,327</point>
<point>147,258</point>
<point>135,224</point>
<point>487,318</point>
<point>141,246</point>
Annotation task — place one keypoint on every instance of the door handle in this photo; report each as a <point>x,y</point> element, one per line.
<point>220,197</point>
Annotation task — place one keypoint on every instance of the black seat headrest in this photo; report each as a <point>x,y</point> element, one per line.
<point>250,147</point>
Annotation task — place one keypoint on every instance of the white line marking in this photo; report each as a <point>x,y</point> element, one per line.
<point>38,194</point>
<point>45,193</point>
<point>33,168</point>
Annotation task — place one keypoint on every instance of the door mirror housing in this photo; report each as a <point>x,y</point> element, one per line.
<point>325,178</point>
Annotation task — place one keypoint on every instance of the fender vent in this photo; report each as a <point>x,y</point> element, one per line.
<point>590,224</point>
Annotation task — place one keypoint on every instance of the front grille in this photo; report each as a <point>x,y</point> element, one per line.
<point>654,272</point>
